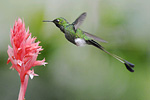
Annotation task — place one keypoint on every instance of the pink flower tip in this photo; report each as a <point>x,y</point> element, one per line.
<point>31,73</point>
<point>39,63</point>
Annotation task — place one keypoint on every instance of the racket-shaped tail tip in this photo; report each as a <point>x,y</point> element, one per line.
<point>129,66</point>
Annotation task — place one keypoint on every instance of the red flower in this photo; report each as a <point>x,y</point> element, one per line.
<point>23,54</point>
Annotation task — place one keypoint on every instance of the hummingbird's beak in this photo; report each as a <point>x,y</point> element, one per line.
<point>47,21</point>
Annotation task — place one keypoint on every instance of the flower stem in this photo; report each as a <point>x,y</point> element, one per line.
<point>23,88</point>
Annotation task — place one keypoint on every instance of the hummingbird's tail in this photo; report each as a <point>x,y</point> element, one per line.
<point>128,65</point>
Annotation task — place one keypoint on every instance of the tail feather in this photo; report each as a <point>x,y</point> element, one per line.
<point>128,65</point>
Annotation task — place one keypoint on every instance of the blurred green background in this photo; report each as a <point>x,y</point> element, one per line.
<point>81,73</point>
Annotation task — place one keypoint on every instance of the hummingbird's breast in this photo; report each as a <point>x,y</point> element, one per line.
<point>70,33</point>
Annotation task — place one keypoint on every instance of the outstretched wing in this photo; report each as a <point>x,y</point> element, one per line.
<point>79,20</point>
<point>94,37</point>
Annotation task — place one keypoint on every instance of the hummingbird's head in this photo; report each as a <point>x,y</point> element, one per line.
<point>60,22</point>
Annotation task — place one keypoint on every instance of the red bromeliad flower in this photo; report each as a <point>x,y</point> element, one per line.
<point>23,54</point>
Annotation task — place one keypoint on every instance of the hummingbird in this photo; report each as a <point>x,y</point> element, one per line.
<point>79,37</point>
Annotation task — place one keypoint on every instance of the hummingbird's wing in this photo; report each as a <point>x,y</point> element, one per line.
<point>94,37</point>
<point>79,20</point>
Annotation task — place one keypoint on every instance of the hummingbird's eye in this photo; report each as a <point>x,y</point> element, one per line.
<point>57,20</point>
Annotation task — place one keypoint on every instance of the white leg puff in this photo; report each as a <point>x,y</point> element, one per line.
<point>80,42</point>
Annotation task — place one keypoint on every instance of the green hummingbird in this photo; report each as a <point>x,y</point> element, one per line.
<point>79,37</point>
